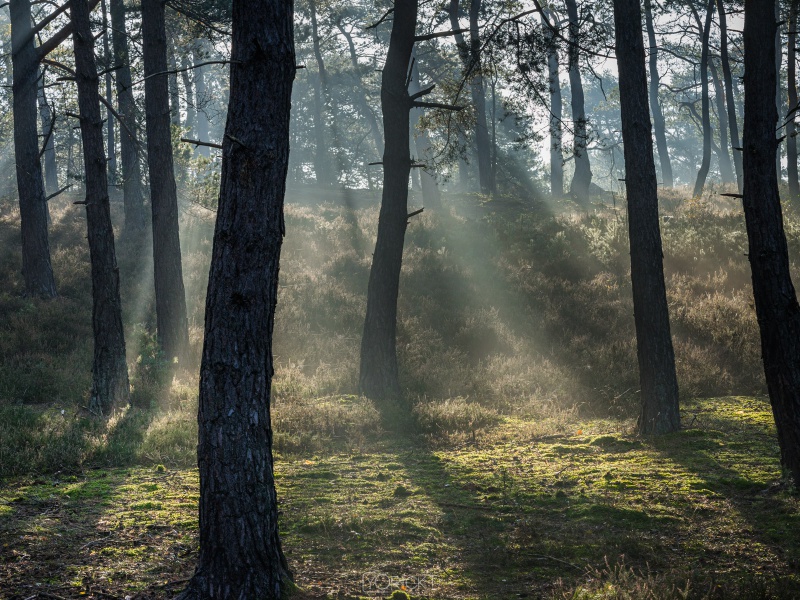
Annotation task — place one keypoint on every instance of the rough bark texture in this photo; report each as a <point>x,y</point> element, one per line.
<point>170,296</point>
<point>776,303</point>
<point>791,127</point>
<point>659,124</point>
<point>582,177</point>
<point>131,173</point>
<point>705,165</point>
<point>240,551</point>
<point>46,117</point>
<point>730,94</point>
<point>378,374</point>
<point>659,385</point>
<point>109,369</point>
<point>554,82</point>
<point>36,268</point>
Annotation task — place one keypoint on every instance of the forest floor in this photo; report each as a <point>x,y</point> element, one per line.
<point>523,510</point>
<point>513,469</point>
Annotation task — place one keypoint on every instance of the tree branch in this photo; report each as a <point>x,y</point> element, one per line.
<point>199,143</point>
<point>436,105</point>
<point>59,36</point>
<point>181,70</point>
<point>430,36</point>
<point>61,191</point>
<point>382,19</point>
<point>422,93</point>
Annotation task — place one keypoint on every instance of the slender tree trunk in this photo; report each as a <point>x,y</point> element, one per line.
<point>791,127</point>
<point>201,101</point>
<point>46,117</point>
<point>174,95</point>
<point>168,273</point>
<point>361,95</point>
<point>778,88</point>
<point>554,83</point>
<point>110,122</point>
<point>464,54</point>
<point>109,369</point>
<point>240,549</point>
<point>776,303</point>
<point>188,89</point>
<point>321,162</point>
<point>431,197</point>
<point>129,152</point>
<point>582,177</point>
<point>730,93</point>
<point>705,165</point>
<point>725,165</point>
<point>36,268</point>
<point>479,101</point>
<point>659,124</point>
<point>659,385</point>
<point>378,374</point>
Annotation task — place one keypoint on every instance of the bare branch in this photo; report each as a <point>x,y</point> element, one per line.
<point>199,143</point>
<point>382,19</point>
<point>172,71</point>
<point>430,36</point>
<point>61,191</point>
<point>436,105</point>
<point>422,93</point>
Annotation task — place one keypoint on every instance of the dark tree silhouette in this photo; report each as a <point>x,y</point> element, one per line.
<point>582,176</point>
<point>776,303</point>
<point>659,385</point>
<point>109,369</point>
<point>659,124</point>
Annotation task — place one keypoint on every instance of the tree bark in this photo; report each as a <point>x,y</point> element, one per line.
<point>791,127</point>
<point>554,83</point>
<point>36,267</point>
<point>201,100</point>
<point>240,550</point>
<point>109,369</point>
<point>730,93</point>
<point>659,124</point>
<point>110,121</point>
<point>46,117</point>
<point>431,196</point>
<point>133,196</point>
<point>725,165</point>
<point>659,385</point>
<point>172,328</point>
<point>378,373</point>
<point>582,177</point>
<point>705,165</point>
<point>322,166</point>
<point>776,303</point>
<point>478,92</point>
<point>174,95</point>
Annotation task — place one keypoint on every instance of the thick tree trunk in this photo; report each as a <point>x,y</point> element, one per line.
<point>129,153</point>
<point>168,273</point>
<point>582,177</point>
<point>725,165</point>
<point>378,374</point>
<point>705,165</point>
<point>659,124</point>
<point>659,385</point>
<point>554,83</point>
<point>730,94</point>
<point>776,303</point>
<point>482,142</point>
<point>791,127</point>
<point>110,122</point>
<point>36,268</point>
<point>46,117</point>
<point>240,550</point>
<point>109,369</point>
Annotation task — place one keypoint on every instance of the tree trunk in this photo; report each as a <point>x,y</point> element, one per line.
<point>321,162</point>
<point>188,90</point>
<point>168,274</point>
<point>776,303</point>
<point>554,83</point>
<point>482,142</point>
<point>705,165</point>
<point>791,127</point>
<point>46,117</point>
<point>659,385</point>
<point>174,95</point>
<point>582,177</point>
<point>463,53</point>
<point>778,88</point>
<point>730,93</point>
<point>201,102</point>
<point>725,165</point>
<point>109,369</point>
<point>36,268</point>
<point>110,122</point>
<point>240,550</point>
<point>378,373</point>
<point>129,152</point>
<point>431,197</point>
<point>659,124</point>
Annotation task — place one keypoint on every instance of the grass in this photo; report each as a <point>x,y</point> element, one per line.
<point>511,471</point>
